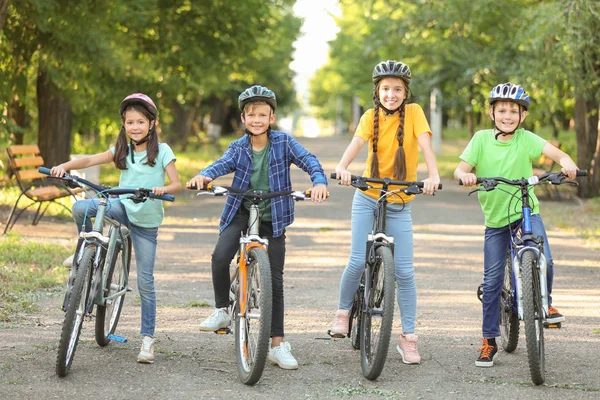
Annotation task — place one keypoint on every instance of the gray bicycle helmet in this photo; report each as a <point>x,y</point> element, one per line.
<point>257,93</point>
<point>509,92</point>
<point>391,68</point>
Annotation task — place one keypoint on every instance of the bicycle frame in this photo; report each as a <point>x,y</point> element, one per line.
<point>522,240</point>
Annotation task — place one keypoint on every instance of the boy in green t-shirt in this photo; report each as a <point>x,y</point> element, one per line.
<point>507,151</point>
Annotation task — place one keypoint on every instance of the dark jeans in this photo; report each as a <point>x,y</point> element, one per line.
<point>226,248</point>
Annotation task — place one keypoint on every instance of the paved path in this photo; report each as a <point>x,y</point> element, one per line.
<point>448,263</point>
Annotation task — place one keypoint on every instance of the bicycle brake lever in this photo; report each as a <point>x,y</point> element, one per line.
<point>359,183</point>
<point>474,190</point>
<point>413,189</point>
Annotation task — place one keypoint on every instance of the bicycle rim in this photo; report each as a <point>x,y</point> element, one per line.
<point>377,318</point>
<point>107,316</point>
<point>533,316</point>
<point>75,314</point>
<point>509,318</point>
<point>253,327</point>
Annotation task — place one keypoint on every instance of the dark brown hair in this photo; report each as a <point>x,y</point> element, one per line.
<point>122,149</point>
<point>399,157</point>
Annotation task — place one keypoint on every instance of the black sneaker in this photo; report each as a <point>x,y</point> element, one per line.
<point>554,317</point>
<point>486,354</point>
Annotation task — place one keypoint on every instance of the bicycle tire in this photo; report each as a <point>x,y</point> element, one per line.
<point>107,316</point>
<point>533,315</point>
<point>376,332</point>
<point>356,316</point>
<point>253,328</point>
<point>508,317</point>
<point>71,329</point>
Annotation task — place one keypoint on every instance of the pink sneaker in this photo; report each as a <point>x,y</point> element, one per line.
<point>339,328</point>
<point>407,347</point>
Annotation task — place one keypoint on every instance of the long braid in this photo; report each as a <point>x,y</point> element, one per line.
<point>375,159</point>
<point>400,157</point>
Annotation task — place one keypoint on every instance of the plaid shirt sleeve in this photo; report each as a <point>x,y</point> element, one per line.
<point>306,161</point>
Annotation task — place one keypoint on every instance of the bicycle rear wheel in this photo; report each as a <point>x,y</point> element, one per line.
<point>75,314</point>
<point>107,316</point>
<point>377,318</point>
<point>253,327</point>
<point>356,315</point>
<point>509,317</point>
<point>533,315</point>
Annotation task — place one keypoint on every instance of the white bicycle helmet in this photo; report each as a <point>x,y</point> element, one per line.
<point>391,68</point>
<point>510,92</point>
<point>257,93</point>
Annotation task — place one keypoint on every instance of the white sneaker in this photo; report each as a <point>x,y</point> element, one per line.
<point>146,355</point>
<point>282,356</point>
<point>69,261</point>
<point>215,321</point>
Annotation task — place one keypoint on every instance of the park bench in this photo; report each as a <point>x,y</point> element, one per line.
<point>546,164</point>
<point>23,162</point>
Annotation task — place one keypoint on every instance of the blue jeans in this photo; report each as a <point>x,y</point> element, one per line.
<point>399,226</point>
<point>144,242</point>
<point>496,243</point>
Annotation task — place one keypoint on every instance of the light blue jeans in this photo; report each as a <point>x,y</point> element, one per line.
<point>144,242</point>
<point>399,226</point>
<point>496,242</point>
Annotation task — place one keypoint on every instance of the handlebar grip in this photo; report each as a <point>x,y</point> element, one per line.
<point>165,197</point>
<point>333,175</point>
<point>440,186</point>
<point>44,170</point>
<point>582,172</point>
<point>479,180</point>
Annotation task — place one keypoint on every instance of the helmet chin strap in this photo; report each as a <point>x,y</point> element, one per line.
<point>385,110</point>
<point>260,134</point>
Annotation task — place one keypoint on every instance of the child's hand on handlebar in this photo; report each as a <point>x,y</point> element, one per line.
<point>430,185</point>
<point>343,175</point>
<point>159,190</point>
<point>57,171</point>
<point>469,179</point>
<point>318,193</point>
<point>198,182</point>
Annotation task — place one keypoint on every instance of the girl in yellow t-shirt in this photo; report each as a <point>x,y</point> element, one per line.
<point>395,131</point>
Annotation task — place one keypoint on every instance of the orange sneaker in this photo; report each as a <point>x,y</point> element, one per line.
<point>554,317</point>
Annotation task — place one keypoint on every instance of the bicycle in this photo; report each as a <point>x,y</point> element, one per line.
<point>251,287</point>
<point>372,312</point>
<point>99,275</point>
<point>524,295</point>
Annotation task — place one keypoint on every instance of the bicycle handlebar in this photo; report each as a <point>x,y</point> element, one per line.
<point>139,193</point>
<point>554,178</point>
<point>253,194</point>
<point>355,179</point>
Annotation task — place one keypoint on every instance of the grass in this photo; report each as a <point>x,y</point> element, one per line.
<point>26,268</point>
<point>583,221</point>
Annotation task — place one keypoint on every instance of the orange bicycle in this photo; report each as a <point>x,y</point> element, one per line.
<point>250,295</point>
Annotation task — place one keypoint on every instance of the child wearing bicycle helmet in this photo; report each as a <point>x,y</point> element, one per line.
<point>506,151</point>
<point>143,162</point>
<point>394,131</point>
<point>260,160</point>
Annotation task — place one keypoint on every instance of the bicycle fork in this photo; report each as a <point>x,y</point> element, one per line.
<point>540,267</point>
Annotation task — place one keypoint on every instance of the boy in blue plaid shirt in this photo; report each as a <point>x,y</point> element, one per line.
<point>260,160</point>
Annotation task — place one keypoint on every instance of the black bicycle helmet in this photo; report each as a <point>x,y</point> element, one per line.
<point>391,68</point>
<point>139,98</point>
<point>257,93</point>
<point>509,92</point>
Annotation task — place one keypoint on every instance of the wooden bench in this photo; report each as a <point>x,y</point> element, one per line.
<point>24,161</point>
<point>546,164</point>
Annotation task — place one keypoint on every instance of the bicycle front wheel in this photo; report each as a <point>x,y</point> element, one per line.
<point>75,314</point>
<point>533,315</point>
<point>378,315</point>
<point>107,316</point>
<point>253,327</point>
<point>509,317</point>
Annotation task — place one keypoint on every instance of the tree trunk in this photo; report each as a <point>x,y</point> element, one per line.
<point>181,127</point>
<point>588,145</point>
<point>55,121</point>
<point>3,12</point>
<point>17,114</point>
<point>217,119</point>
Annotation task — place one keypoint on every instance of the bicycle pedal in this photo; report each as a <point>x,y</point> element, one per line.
<point>223,331</point>
<point>129,289</point>
<point>336,335</point>
<point>117,338</point>
<point>556,325</point>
